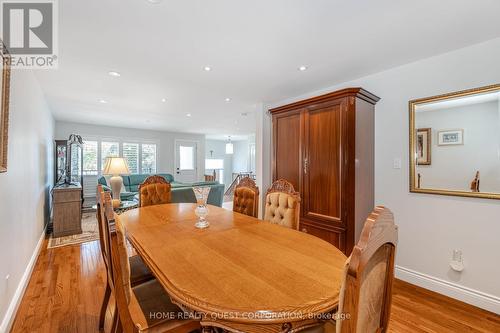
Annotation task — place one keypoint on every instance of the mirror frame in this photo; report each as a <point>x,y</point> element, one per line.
<point>4,106</point>
<point>413,148</point>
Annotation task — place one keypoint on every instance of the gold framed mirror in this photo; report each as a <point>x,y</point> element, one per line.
<point>455,143</point>
<point>4,105</point>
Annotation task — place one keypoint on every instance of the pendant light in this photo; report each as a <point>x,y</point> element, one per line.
<point>229,146</point>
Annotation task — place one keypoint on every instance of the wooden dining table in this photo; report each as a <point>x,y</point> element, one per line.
<point>240,274</point>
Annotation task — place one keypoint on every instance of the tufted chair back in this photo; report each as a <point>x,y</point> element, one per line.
<point>282,205</point>
<point>155,190</point>
<point>246,197</point>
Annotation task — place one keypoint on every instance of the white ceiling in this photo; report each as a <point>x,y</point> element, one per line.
<point>222,137</point>
<point>253,47</point>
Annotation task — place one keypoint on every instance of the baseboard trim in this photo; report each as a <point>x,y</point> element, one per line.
<point>10,315</point>
<point>450,289</point>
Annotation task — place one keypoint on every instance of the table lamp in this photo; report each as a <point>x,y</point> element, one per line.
<point>116,166</point>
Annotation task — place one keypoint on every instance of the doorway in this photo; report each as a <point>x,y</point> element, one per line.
<point>186,161</point>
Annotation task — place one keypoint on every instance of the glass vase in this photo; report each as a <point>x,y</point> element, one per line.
<point>201,210</point>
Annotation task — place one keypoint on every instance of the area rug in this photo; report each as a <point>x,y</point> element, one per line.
<point>90,232</point>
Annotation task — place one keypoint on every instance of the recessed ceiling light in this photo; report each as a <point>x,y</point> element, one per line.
<point>114,74</point>
<point>103,101</point>
<point>207,68</point>
<point>154,2</point>
<point>188,114</point>
<point>228,99</point>
<point>302,68</point>
<point>163,100</point>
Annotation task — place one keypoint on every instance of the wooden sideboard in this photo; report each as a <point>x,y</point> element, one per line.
<point>325,147</point>
<point>67,210</point>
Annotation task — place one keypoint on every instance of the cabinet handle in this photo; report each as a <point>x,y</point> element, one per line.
<point>304,230</point>
<point>306,165</point>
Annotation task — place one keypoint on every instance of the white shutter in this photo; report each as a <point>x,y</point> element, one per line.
<point>148,158</point>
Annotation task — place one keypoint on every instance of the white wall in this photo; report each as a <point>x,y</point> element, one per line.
<point>165,141</point>
<point>454,167</point>
<point>240,156</point>
<point>263,150</point>
<point>24,189</point>
<point>430,226</point>
<point>218,148</point>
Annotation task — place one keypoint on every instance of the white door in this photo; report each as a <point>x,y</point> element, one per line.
<point>185,161</point>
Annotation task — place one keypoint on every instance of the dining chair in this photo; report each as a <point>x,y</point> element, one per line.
<point>246,197</point>
<point>145,307</point>
<point>155,190</point>
<point>366,291</point>
<point>139,271</point>
<point>282,204</point>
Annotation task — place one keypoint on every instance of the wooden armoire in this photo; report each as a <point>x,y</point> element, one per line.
<point>325,147</point>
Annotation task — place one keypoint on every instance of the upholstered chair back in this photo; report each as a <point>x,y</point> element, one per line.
<point>282,205</point>
<point>155,190</point>
<point>246,197</point>
<point>366,291</point>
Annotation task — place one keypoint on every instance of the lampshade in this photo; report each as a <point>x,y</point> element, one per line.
<point>116,166</point>
<point>213,163</point>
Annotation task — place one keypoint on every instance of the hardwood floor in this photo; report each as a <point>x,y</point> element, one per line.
<point>66,289</point>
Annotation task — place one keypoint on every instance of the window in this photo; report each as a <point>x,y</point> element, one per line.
<point>186,157</point>
<point>140,157</point>
<point>148,158</point>
<point>109,149</point>
<point>131,155</point>
<point>90,158</point>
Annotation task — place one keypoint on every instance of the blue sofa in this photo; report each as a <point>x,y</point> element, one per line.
<point>181,192</point>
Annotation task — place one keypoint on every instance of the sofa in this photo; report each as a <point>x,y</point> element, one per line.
<point>181,192</point>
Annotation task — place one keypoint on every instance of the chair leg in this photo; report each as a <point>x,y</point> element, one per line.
<point>104,306</point>
<point>116,327</point>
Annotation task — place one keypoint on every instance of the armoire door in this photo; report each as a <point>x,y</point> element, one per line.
<point>287,161</point>
<point>323,163</point>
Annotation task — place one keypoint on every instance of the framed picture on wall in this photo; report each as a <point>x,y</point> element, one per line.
<point>451,137</point>
<point>4,105</point>
<point>424,138</point>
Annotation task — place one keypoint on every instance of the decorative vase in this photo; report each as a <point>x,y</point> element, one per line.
<point>201,210</point>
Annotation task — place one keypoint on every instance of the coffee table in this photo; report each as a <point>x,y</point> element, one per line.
<point>125,205</point>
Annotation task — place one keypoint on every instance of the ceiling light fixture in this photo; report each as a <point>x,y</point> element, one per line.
<point>228,99</point>
<point>154,2</point>
<point>302,68</point>
<point>103,101</point>
<point>229,146</point>
<point>114,74</point>
<point>188,114</point>
<point>207,68</point>
<point>163,100</point>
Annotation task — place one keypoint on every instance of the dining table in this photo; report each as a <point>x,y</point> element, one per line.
<point>240,274</point>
